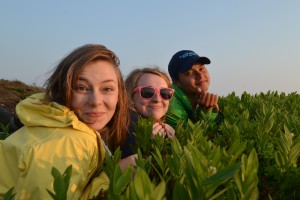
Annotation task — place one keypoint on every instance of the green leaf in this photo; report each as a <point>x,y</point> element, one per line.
<point>179,192</point>
<point>108,166</point>
<point>66,177</point>
<point>142,183</point>
<point>295,151</point>
<point>238,182</point>
<point>237,148</point>
<point>9,194</point>
<point>51,194</point>
<point>174,166</point>
<point>215,156</point>
<point>58,184</point>
<point>121,180</point>
<point>223,174</point>
<point>218,194</point>
<point>252,163</point>
<point>158,158</point>
<point>159,191</point>
<point>61,183</point>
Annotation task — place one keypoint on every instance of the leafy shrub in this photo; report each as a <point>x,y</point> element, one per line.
<point>253,154</point>
<point>4,131</point>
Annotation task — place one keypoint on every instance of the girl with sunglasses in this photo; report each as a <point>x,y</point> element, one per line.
<point>149,92</point>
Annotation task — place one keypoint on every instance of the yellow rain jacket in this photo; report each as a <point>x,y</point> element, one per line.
<point>52,137</point>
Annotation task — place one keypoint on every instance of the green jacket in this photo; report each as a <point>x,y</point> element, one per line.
<point>52,136</point>
<point>180,109</point>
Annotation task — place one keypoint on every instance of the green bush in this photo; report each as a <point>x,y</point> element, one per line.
<point>253,154</point>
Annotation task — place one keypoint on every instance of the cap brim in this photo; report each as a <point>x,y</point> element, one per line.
<point>201,60</point>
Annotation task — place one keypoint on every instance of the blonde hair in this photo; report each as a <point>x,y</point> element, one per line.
<point>134,76</point>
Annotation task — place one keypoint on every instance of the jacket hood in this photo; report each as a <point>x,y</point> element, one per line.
<point>33,111</point>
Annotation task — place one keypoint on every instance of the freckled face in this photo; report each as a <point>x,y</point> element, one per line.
<point>95,97</point>
<point>156,106</point>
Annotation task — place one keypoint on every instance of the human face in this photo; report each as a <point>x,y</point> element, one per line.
<point>195,80</point>
<point>95,97</point>
<point>156,106</point>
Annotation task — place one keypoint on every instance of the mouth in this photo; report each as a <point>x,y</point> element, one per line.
<point>201,83</point>
<point>94,114</point>
<point>92,117</point>
<point>155,107</point>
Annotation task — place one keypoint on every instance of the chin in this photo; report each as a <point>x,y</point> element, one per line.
<point>157,117</point>
<point>96,126</point>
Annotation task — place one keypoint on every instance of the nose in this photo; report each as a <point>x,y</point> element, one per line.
<point>155,97</point>
<point>95,98</point>
<point>199,74</point>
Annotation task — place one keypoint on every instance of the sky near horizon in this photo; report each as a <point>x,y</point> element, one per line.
<point>254,45</point>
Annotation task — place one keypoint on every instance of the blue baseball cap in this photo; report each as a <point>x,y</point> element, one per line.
<point>183,60</point>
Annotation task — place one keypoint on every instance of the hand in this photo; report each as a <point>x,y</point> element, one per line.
<point>208,100</point>
<point>158,129</point>
<point>163,129</point>
<point>170,131</point>
<point>125,162</point>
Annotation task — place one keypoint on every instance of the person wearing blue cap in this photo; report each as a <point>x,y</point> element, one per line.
<point>191,82</point>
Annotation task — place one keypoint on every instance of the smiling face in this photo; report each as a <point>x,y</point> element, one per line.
<point>156,106</point>
<point>195,78</point>
<point>95,96</point>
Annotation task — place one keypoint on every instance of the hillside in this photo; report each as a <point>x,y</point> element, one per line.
<point>11,92</point>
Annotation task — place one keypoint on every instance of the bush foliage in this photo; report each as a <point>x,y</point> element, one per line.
<point>252,154</point>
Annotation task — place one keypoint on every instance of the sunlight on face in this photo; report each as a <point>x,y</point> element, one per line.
<point>155,106</point>
<point>194,78</point>
<point>95,98</point>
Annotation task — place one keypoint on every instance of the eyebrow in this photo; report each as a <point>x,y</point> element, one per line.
<point>105,81</point>
<point>110,81</point>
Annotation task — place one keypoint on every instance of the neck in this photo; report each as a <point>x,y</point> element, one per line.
<point>193,100</point>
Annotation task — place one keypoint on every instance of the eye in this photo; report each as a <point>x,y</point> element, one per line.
<point>81,88</point>
<point>108,89</point>
<point>202,68</point>
<point>188,73</point>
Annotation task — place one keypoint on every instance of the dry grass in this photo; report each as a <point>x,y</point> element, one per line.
<point>14,91</point>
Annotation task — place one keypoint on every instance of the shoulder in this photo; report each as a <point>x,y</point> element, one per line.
<point>56,139</point>
<point>134,116</point>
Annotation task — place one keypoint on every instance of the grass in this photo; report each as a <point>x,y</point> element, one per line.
<point>12,91</point>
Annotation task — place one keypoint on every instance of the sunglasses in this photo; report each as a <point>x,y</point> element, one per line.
<point>147,92</point>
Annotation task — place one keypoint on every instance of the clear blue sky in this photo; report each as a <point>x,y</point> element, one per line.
<point>254,45</point>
